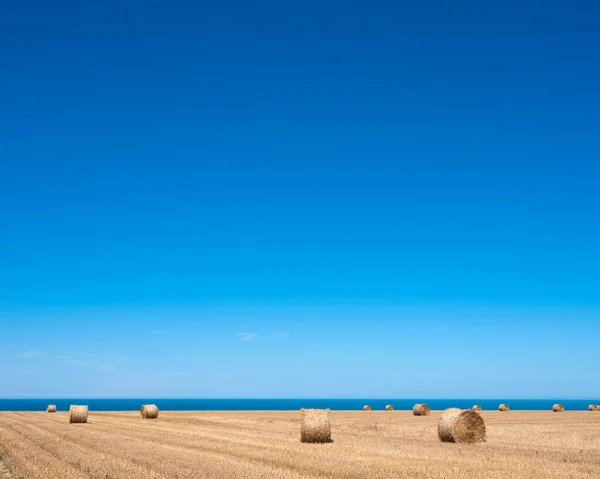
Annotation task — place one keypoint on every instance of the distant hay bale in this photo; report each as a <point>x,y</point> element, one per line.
<point>421,410</point>
<point>315,426</point>
<point>477,407</point>
<point>51,408</point>
<point>593,407</point>
<point>458,425</point>
<point>558,408</point>
<point>78,414</point>
<point>389,407</point>
<point>503,407</point>
<point>149,411</point>
<point>366,407</point>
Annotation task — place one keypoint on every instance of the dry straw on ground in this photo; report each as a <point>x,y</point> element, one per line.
<point>477,407</point>
<point>593,407</point>
<point>558,408</point>
<point>458,425</point>
<point>260,445</point>
<point>367,407</point>
<point>389,407</point>
<point>51,408</point>
<point>78,414</point>
<point>421,410</point>
<point>503,407</point>
<point>149,411</point>
<point>315,425</point>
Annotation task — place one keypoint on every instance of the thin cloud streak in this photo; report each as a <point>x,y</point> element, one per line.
<point>246,336</point>
<point>29,354</point>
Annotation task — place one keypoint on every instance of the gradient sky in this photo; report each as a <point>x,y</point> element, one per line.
<point>308,199</point>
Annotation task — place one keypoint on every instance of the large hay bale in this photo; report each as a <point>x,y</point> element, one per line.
<point>458,425</point>
<point>389,407</point>
<point>149,411</point>
<point>593,407</point>
<point>503,407</point>
<point>477,407</point>
<point>78,414</point>
<point>558,408</point>
<point>366,407</point>
<point>51,408</point>
<point>421,410</point>
<point>315,425</point>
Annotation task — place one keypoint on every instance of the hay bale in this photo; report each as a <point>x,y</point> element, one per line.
<point>51,408</point>
<point>593,407</point>
<point>458,425</point>
<point>366,407</point>
<point>421,410</point>
<point>477,407</point>
<point>315,425</point>
<point>503,407</point>
<point>78,414</point>
<point>389,407</point>
<point>149,411</point>
<point>558,408</point>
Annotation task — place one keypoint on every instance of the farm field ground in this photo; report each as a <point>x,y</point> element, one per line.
<point>263,444</point>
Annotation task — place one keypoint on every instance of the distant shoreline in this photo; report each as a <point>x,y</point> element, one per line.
<point>134,404</point>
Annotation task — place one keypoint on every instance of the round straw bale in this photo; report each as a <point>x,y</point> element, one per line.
<point>558,408</point>
<point>477,407</point>
<point>315,425</point>
<point>503,407</point>
<point>592,407</point>
<point>51,408</point>
<point>366,407</point>
<point>78,414</point>
<point>389,407</point>
<point>458,425</point>
<point>421,410</point>
<point>149,411</point>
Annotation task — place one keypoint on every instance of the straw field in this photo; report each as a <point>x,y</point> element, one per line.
<point>261,444</point>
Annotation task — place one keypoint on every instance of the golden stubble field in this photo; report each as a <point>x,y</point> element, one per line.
<point>260,444</point>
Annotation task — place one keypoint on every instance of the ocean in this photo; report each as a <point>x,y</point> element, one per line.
<point>130,404</point>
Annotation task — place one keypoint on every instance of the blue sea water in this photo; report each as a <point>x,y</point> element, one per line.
<point>284,404</point>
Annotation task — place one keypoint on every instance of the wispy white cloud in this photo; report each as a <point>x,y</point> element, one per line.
<point>246,336</point>
<point>29,354</point>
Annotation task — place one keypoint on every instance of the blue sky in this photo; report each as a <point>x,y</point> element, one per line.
<point>311,199</point>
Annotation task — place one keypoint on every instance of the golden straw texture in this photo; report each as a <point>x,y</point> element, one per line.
<point>421,410</point>
<point>315,425</point>
<point>458,425</point>
<point>149,411</point>
<point>78,414</point>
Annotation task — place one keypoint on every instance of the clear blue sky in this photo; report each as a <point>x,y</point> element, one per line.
<point>299,199</point>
